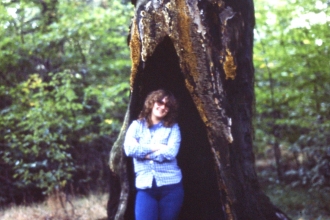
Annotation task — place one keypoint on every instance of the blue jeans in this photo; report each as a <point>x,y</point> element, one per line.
<point>159,203</point>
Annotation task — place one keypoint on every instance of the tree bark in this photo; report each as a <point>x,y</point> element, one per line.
<point>202,52</point>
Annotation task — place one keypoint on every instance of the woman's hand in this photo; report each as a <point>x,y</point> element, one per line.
<point>157,147</point>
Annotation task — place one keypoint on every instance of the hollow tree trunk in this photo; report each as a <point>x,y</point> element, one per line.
<point>202,52</point>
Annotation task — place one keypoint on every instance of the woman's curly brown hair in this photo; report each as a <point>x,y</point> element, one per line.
<point>158,96</point>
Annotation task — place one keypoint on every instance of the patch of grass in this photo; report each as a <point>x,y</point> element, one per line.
<point>59,207</point>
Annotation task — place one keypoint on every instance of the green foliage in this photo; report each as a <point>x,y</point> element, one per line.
<point>63,89</point>
<point>44,119</point>
<point>88,39</point>
<point>292,86</point>
<point>298,203</point>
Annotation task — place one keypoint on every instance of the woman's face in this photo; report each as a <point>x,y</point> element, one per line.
<point>160,109</point>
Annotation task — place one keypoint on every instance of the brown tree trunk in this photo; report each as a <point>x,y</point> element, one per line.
<point>202,52</point>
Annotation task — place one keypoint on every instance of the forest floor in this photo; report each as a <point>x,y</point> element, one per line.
<point>297,202</point>
<point>92,207</point>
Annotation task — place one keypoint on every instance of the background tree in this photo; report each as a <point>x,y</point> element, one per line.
<point>299,62</point>
<point>291,59</point>
<point>202,52</point>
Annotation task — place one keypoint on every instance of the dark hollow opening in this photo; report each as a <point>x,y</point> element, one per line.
<point>162,70</point>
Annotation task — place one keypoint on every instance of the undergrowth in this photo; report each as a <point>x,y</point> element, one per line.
<point>298,202</point>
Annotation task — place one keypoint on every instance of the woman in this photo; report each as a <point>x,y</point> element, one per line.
<point>153,141</point>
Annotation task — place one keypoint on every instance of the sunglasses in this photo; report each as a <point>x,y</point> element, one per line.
<point>161,103</point>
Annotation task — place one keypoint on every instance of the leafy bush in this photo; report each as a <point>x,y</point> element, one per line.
<point>62,96</point>
<point>50,129</point>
